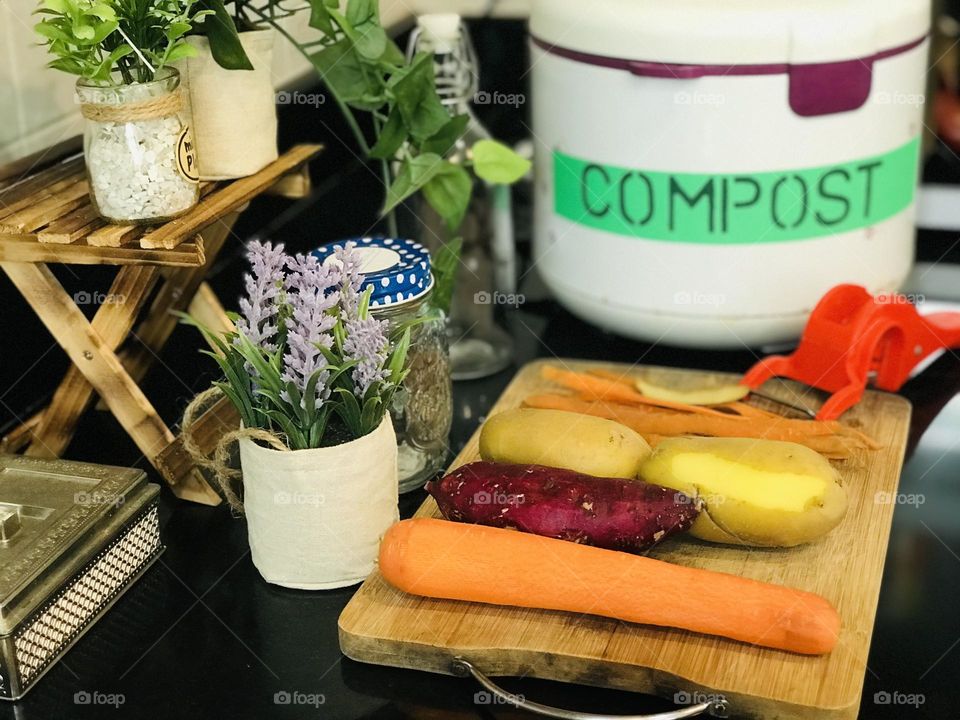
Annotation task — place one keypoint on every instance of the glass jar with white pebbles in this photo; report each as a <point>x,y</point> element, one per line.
<point>140,156</point>
<point>399,273</point>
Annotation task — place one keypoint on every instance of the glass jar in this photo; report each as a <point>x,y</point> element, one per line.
<point>139,151</point>
<point>399,274</point>
<point>422,409</point>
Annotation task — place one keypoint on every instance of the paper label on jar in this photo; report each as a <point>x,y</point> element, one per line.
<point>736,208</point>
<point>187,156</point>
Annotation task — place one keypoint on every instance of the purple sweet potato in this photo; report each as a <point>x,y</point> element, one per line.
<point>605,512</point>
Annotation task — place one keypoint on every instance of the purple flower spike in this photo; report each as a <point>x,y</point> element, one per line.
<point>366,338</point>
<point>311,294</point>
<point>258,311</point>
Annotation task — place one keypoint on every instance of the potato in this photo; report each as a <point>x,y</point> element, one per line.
<point>583,443</point>
<point>754,492</point>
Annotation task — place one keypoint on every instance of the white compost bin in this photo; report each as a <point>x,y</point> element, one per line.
<point>706,170</point>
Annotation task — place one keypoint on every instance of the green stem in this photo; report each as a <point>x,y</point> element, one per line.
<point>385,174</point>
<point>347,112</point>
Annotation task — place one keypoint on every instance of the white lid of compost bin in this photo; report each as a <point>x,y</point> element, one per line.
<point>736,32</point>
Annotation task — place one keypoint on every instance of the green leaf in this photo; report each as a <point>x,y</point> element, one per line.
<point>181,50</point>
<point>82,31</point>
<point>370,40</point>
<point>496,163</point>
<point>392,135</point>
<point>445,263</point>
<point>446,137</point>
<point>448,192</point>
<point>392,54</point>
<point>340,69</point>
<point>225,43</point>
<point>176,30</point>
<point>361,11</point>
<point>414,174</point>
<point>320,17</point>
<point>417,99</point>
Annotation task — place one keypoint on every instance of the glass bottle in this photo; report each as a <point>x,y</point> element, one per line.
<point>478,345</point>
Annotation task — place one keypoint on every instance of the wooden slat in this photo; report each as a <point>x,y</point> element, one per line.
<point>112,322</point>
<point>383,625</point>
<point>115,234</point>
<point>175,464</point>
<point>40,187</point>
<point>72,226</point>
<point>25,248</point>
<point>48,209</point>
<point>226,199</point>
<point>100,366</point>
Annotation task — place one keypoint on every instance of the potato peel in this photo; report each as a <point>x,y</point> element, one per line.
<point>716,395</point>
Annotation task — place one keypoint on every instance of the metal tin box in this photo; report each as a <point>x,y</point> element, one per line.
<point>73,537</point>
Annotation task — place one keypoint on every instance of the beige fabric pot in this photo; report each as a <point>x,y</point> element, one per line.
<point>234,111</point>
<point>315,517</point>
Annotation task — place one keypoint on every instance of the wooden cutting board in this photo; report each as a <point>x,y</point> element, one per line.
<point>388,627</point>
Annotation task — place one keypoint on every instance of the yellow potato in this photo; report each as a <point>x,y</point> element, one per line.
<point>753,492</point>
<point>586,444</point>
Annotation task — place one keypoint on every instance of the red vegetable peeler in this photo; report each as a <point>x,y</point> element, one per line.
<point>853,337</point>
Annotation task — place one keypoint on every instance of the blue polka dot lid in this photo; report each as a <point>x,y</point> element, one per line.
<point>397,269</point>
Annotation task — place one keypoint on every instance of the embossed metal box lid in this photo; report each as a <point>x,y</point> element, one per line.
<point>73,537</point>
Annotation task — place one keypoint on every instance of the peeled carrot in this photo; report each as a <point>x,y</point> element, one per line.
<point>456,561</point>
<point>829,438</point>
<point>614,390</point>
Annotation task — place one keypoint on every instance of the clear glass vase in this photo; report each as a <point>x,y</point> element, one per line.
<point>140,155</point>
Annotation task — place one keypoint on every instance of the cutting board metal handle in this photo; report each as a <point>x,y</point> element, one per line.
<point>463,668</point>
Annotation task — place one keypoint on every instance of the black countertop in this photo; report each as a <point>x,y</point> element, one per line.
<point>203,636</point>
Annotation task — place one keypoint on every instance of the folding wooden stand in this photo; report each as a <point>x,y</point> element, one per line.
<point>46,217</point>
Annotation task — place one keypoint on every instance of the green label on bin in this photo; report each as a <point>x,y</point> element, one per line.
<point>724,208</point>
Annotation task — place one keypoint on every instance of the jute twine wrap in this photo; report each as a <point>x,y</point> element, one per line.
<point>157,107</point>
<point>219,465</point>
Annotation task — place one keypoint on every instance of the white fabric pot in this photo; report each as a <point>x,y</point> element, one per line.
<point>234,111</point>
<point>315,517</point>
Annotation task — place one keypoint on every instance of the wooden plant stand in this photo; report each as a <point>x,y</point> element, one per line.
<point>46,217</point>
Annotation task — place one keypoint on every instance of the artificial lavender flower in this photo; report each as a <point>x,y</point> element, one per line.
<point>351,278</point>
<point>366,338</point>
<point>311,294</point>
<point>366,342</point>
<point>258,311</point>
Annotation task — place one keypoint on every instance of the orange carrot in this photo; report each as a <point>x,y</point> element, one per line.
<point>747,410</point>
<point>601,388</point>
<point>828,438</point>
<point>458,561</point>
